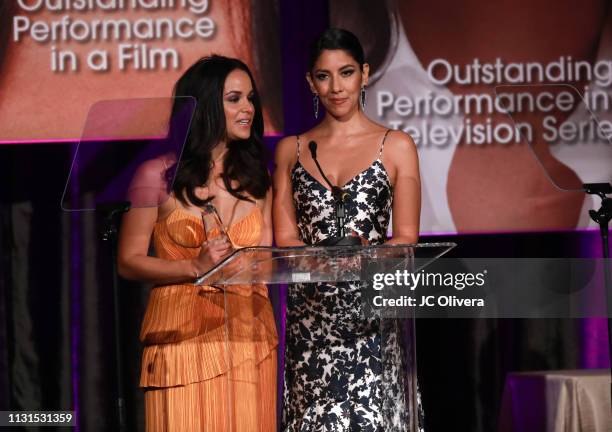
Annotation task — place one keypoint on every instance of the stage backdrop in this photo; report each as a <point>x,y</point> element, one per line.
<point>439,71</point>
<point>62,56</point>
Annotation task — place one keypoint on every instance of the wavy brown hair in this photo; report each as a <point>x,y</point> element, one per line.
<point>246,161</point>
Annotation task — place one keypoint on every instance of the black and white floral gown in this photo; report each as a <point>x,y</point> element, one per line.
<point>343,372</point>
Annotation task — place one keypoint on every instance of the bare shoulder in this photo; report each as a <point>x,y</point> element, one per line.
<point>286,150</point>
<point>400,154</point>
<point>151,173</point>
<point>399,144</point>
<point>149,187</point>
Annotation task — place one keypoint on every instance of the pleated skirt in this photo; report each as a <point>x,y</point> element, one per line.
<point>241,400</point>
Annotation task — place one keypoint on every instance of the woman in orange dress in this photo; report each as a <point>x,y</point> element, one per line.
<point>209,362</point>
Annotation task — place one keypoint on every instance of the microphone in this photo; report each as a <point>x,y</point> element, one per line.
<point>313,149</point>
<point>338,193</point>
<point>340,197</point>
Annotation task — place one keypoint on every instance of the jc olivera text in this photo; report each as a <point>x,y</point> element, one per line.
<point>427,301</point>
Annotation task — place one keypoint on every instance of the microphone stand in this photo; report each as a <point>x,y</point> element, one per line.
<point>111,212</point>
<point>340,198</point>
<point>603,217</point>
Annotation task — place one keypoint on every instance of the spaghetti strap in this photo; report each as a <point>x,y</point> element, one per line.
<point>382,144</point>
<point>298,146</point>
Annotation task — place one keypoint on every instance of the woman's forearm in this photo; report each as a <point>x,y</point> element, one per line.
<point>157,270</point>
<point>403,239</point>
<point>289,242</point>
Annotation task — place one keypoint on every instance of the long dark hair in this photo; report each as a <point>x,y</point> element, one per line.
<point>337,39</point>
<point>245,161</point>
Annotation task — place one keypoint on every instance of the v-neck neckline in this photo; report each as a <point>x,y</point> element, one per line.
<point>349,181</point>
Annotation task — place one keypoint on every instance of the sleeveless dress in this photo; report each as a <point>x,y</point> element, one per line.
<point>342,373</point>
<point>209,362</point>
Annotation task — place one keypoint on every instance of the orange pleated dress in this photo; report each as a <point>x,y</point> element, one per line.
<point>209,361</point>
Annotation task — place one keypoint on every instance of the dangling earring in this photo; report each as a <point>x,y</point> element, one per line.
<point>362,98</point>
<point>315,104</point>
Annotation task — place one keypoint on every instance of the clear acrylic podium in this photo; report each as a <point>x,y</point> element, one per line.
<point>255,266</point>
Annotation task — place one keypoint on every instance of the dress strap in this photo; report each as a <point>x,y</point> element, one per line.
<point>298,146</point>
<point>382,144</point>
